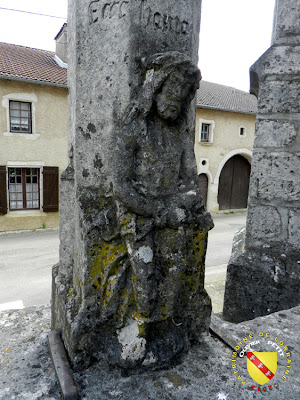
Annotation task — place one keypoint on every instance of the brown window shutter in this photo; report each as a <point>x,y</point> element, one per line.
<point>50,189</point>
<point>3,194</point>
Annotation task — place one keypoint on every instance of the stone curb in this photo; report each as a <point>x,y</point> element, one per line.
<point>2,233</point>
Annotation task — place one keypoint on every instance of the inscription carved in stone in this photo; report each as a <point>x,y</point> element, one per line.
<point>99,11</point>
<point>164,22</point>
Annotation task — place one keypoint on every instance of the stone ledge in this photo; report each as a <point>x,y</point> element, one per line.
<point>206,373</point>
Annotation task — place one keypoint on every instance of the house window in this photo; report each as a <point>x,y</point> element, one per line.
<point>20,117</point>
<point>23,188</point>
<point>242,131</point>
<point>28,187</point>
<point>206,130</point>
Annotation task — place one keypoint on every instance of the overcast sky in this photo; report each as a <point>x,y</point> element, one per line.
<point>234,33</point>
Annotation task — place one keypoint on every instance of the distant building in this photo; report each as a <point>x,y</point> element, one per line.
<point>225,124</point>
<point>33,136</point>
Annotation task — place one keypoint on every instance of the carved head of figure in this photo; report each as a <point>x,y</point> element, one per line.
<point>170,83</point>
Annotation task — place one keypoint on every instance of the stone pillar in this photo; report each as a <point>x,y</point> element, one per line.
<point>263,272</point>
<point>129,285</point>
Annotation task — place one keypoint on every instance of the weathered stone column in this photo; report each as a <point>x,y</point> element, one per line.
<point>263,272</point>
<point>129,285</point>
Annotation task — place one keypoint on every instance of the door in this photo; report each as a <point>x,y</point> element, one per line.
<point>234,184</point>
<point>203,186</point>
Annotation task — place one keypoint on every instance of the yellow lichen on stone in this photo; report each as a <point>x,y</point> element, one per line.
<point>137,316</point>
<point>127,224</point>
<point>164,310</point>
<point>199,247</point>
<point>125,220</point>
<point>142,330</point>
<point>126,306</point>
<point>176,380</point>
<point>109,289</point>
<point>102,203</point>
<point>105,260</point>
<point>70,292</point>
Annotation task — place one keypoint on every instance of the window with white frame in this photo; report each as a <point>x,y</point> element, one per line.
<point>206,131</point>
<point>242,131</point>
<point>20,116</point>
<point>24,188</point>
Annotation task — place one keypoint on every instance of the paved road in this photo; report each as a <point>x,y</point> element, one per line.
<point>218,253</point>
<point>220,238</point>
<point>26,260</point>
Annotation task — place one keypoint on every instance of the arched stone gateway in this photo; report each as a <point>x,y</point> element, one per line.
<point>234,184</point>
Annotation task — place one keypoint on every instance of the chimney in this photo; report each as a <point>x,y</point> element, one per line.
<point>62,44</point>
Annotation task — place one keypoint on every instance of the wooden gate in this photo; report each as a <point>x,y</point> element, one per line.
<point>203,186</point>
<point>234,184</point>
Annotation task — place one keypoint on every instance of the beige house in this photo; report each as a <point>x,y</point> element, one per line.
<point>225,124</point>
<point>33,136</point>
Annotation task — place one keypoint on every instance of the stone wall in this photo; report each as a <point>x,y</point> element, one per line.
<point>263,275</point>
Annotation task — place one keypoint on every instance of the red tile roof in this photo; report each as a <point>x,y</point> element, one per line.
<point>25,63</point>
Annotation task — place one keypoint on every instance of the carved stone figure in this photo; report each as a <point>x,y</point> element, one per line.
<point>149,271</point>
<point>160,207</point>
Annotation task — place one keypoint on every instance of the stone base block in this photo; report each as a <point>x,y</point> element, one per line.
<point>136,346</point>
<point>258,284</point>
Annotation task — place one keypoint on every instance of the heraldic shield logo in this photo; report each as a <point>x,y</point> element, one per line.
<point>262,366</point>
